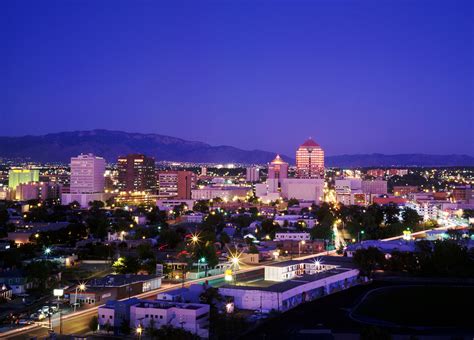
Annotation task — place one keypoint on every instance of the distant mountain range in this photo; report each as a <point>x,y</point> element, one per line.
<point>59,147</point>
<point>404,160</point>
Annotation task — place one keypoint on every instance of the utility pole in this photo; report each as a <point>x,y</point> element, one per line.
<point>60,322</point>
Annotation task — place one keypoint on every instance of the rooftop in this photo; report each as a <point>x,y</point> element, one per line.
<point>168,304</point>
<point>344,262</point>
<point>119,280</point>
<point>279,287</point>
<point>310,142</point>
<point>278,160</point>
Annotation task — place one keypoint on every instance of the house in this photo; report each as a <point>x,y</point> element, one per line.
<point>16,279</point>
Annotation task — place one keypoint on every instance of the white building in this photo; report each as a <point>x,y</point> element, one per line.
<point>347,185</point>
<point>252,174</point>
<point>303,189</point>
<point>87,174</point>
<point>87,180</point>
<point>292,237</point>
<point>291,220</point>
<point>194,217</point>
<point>192,317</point>
<point>288,284</point>
<point>268,191</point>
<point>227,193</point>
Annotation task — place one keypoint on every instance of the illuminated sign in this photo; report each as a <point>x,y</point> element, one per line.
<point>58,292</point>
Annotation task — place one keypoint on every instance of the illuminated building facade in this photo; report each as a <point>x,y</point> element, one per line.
<point>278,169</point>
<point>21,176</point>
<point>176,184</point>
<point>136,173</point>
<point>310,160</point>
<point>87,174</point>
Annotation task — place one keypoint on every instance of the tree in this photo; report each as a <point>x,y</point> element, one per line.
<point>108,327</point>
<point>451,259</point>
<point>4,217</point>
<point>208,252</point>
<point>411,217</point>
<point>224,238</point>
<point>126,265</point>
<point>150,330</point>
<point>96,205</point>
<point>269,227</point>
<point>293,202</point>
<point>74,205</point>
<point>41,273</point>
<point>210,296</point>
<point>323,232</point>
<point>253,249</point>
<point>368,260</point>
<point>201,206</point>
<point>97,223</point>
<point>170,332</point>
<point>170,237</point>
<point>94,323</point>
<point>391,212</point>
<point>179,209</point>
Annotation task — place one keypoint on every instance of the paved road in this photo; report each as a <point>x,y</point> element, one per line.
<point>77,323</point>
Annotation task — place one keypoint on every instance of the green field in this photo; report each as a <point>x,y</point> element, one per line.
<point>419,306</point>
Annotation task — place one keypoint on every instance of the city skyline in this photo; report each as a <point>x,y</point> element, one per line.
<point>357,77</point>
<point>236,169</point>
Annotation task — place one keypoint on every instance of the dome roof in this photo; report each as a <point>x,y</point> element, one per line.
<point>310,142</point>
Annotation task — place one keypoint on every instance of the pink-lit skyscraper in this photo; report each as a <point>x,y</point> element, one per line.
<point>310,160</point>
<point>278,169</point>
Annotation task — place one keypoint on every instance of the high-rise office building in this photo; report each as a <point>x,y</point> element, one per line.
<point>136,173</point>
<point>176,184</point>
<point>87,174</point>
<point>21,176</point>
<point>278,169</point>
<point>310,160</point>
<point>252,174</point>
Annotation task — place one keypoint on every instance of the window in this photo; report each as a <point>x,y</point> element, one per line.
<point>146,315</point>
<point>103,316</point>
<point>110,317</point>
<point>161,316</point>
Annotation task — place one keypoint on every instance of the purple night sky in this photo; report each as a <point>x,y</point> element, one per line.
<point>357,76</point>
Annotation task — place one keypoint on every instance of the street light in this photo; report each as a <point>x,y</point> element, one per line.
<point>195,238</point>
<point>203,261</point>
<point>81,287</point>
<point>139,331</point>
<point>362,232</point>
<point>235,260</point>
<point>299,246</point>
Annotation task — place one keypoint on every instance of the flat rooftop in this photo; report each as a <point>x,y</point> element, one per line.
<point>167,305</point>
<point>279,287</point>
<point>341,261</point>
<point>119,280</point>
